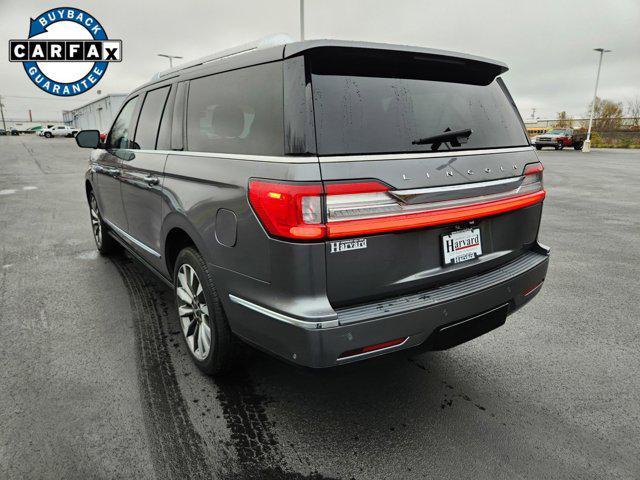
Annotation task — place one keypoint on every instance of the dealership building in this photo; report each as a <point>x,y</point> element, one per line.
<point>98,114</point>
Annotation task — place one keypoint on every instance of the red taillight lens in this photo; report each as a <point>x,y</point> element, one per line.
<point>533,168</point>
<point>288,210</point>
<point>309,211</point>
<point>373,348</point>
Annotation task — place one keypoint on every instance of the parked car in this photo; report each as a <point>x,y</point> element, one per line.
<point>559,138</point>
<point>3,131</point>
<point>325,201</point>
<point>15,131</point>
<point>59,131</point>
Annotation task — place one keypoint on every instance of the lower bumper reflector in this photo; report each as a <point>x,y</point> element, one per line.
<point>373,348</point>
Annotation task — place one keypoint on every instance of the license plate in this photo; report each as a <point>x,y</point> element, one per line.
<point>461,246</point>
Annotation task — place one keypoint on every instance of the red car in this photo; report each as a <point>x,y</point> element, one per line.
<point>559,138</point>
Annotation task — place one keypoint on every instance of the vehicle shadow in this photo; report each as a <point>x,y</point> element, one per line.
<point>396,416</point>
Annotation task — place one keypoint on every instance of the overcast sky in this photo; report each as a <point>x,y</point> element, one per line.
<point>547,44</point>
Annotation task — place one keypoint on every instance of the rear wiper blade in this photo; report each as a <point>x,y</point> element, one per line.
<point>455,137</point>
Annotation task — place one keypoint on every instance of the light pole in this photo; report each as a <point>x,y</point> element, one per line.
<point>301,20</point>
<point>4,124</point>
<point>170,57</point>
<point>587,143</point>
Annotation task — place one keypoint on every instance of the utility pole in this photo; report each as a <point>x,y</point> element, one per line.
<point>587,143</point>
<point>301,20</point>
<point>4,125</point>
<point>170,57</point>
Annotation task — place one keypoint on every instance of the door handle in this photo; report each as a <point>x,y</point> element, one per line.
<point>152,180</point>
<point>112,172</point>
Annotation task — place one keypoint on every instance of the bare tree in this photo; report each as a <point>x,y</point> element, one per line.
<point>607,116</point>
<point>633,110</point>
<point>563,120</point>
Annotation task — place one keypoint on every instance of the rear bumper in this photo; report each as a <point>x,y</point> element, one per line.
<point>417,318</point>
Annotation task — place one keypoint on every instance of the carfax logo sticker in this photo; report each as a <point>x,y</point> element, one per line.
<point>67,52</point>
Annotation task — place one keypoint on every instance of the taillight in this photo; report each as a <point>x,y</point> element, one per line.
<point>532,178</point>
<point>289,210</point>
<point>311,211</point>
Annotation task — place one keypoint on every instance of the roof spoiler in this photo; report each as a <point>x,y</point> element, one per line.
<point>266,42</point>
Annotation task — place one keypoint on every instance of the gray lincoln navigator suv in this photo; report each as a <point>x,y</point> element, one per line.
<point>325,201</point>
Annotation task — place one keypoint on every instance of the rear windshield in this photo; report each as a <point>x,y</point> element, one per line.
<point>374,111</point>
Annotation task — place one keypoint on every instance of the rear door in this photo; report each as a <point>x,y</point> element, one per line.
<point>142,176</point>
<point>408,207</point>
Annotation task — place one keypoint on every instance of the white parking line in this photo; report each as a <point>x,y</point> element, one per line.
<point>7,192</point>
<point>29,187</point>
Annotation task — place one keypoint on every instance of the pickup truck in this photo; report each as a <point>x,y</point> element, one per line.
<point>59,131</point>
<point>559,138</point>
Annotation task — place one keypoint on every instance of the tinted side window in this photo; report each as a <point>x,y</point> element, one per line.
<point>149,121</point>
<point>119,136</point>
<point>164,134</point>
<point>178,117</point>
<point>237,112</point>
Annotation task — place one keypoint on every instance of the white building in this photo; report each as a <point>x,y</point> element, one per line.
<point>98,114</point>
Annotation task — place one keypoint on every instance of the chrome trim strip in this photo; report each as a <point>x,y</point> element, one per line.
<point>408,156</point>
<point>432,194</point>
<point>534,289</point>
<point>136,242</point>
<point>336,158</point>
<point>282,317</point>
<point>236,156</point>
<point>370,354</point>
<point>470,319</point>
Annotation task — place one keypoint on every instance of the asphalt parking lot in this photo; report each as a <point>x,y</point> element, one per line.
<point>96,382</point>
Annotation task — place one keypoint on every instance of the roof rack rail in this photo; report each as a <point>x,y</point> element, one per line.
<point>266,42</point>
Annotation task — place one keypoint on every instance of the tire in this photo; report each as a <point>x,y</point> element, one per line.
<point>578,146</point>
<point>538,147</point>
<point>48,134</point>
<point>201,315</point>
<point>105,244</point>
<point>560,145</point>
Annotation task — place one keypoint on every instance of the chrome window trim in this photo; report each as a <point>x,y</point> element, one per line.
<point>236,156</point>
<point>282,317</point>
<point>418,155</point>
<point>133,240</point>
<point>335,158</point>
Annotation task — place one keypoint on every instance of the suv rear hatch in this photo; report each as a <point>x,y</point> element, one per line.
<point>428,173</point>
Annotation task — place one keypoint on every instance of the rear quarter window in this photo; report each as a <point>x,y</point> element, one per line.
<point>239,112</point>
<point>149,120</point>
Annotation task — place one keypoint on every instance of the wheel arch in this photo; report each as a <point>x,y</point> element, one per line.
<point>88,188</point>
<point>179,234</point>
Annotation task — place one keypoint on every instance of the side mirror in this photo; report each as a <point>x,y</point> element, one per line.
<point>88,138</point>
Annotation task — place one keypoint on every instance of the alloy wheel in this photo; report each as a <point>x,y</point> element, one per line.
<point>96,224</point>
<point>193,312</point>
